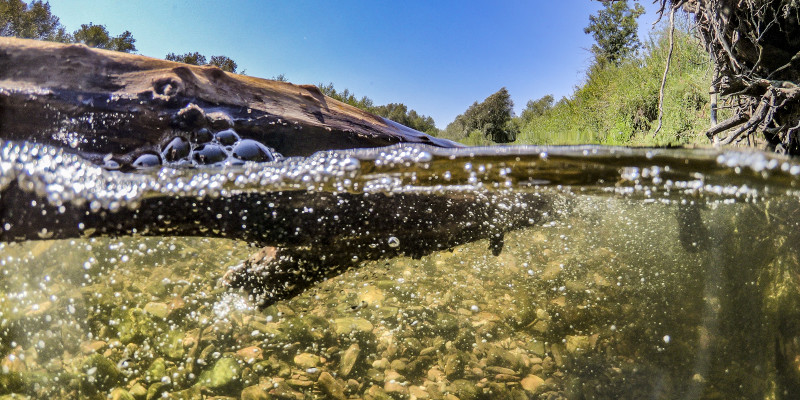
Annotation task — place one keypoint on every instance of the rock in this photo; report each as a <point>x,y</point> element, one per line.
<point>101,372</point>
<point>187,394</point>
<point>224,373</point>
<point>347,326</point>
<point>171,344</point>
<point>255,392</point>
<point>120,394</point>
<point>156,309</point>
<point>371,295</point>
<point>416,392</point>
<point>349,359</point>
<point>395,388</point>
<point>578,344</point>
<point>95,346</point>
<point>250,354</point>
<point>306,360</point>
<point>531,382</point>
<point>330,386</point>
<point>376,393</point>
<point>156,391</point>
<point>156,371</point>
<point>463,389</point>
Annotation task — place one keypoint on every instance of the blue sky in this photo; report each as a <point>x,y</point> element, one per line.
<point>437,57</point>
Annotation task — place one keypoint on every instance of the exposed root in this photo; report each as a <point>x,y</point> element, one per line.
<point>755,46</point>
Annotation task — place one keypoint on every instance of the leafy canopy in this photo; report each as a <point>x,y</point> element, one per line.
<point>493,118</point>
<point>614,31</point>
<point>35,21</point>
<point>97,36</point>
<point>396,112</point>
<point>224,63</point>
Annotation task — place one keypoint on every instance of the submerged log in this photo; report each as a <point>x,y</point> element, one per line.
<point>114,107</point>
<point>129,112</point>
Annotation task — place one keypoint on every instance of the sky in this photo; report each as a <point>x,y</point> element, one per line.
<point>437,57</point>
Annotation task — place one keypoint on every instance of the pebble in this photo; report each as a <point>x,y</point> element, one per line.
<point>349,359</point>
<point>531,382</point>
<point>330,386</point>
<point>306,360</point>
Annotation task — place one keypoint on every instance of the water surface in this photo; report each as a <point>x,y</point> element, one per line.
<point>622,273</point>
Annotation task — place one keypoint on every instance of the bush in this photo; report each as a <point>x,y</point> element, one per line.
<point>618,103</point>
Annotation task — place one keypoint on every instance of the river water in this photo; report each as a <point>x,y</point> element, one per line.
<point>403,272</point>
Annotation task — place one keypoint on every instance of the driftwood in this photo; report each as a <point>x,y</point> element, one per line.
<point>129,112</point>
<point>755,47</point>
<point>104,104</point>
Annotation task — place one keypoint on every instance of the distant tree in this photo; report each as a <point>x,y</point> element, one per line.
<point>538,107</point>
<point>492,117</point>
<point>614,31</point>
<point>224,63</point>
<point>31,21</point>
<point>280,78</point>
<point>187,58</point>
<point>397,112</point>
<point>97,36</point>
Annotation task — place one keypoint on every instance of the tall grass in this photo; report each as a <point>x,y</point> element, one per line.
<point>618,104</point>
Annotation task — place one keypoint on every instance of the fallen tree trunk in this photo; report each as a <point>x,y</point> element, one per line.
<point>113,108</point>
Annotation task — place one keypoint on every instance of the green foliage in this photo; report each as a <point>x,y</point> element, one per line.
<point>30,21</point>
<point>35,21</point>
<point>97,36</point>
<point>187,58</point>
<point>537,108</point>
<point>280,78</point>
<point>224,63</point>
<point>618,104</point>
<point>396,112</point>
<point>614,31</point>
<point>492,117</point>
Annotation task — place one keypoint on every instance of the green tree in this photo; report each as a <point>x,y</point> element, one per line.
<point>187,58</point>
<point>614,31</point>
<point>224,63</point>
<point>97,36</point>
<point>31,21</point>
<point>537,108</point>
<point>492,117</point>
<point>397,112</point>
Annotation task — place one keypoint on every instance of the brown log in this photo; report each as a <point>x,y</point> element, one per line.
<point>98,102</point>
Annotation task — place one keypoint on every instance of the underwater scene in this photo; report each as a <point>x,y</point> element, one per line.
<point>407,272</point>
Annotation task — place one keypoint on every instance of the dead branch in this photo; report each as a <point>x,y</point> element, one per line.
<point>666,68</point>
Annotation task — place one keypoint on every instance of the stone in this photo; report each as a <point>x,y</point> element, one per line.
<point>156,371</point>
<point>577,344</point>
<point>375,392</point>
<point>395,388</point>
<point>157,309</point>
<point>416,392</point>
<point>250,354</point>
<point>531,382</point>
<point>120,394</point>
<point>224,373</point>
<point>330,386</point>
<point>349,359</point>
<point>347,326</point>
<point>306,360</point>
<point>463,389</point>
<point>101,372</point>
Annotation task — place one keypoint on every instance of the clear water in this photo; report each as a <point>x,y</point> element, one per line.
<point>644,274</point>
